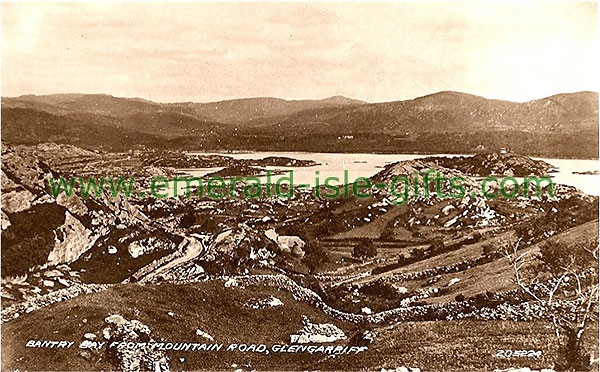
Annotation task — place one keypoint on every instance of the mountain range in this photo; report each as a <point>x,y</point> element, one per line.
<point>564,125</point>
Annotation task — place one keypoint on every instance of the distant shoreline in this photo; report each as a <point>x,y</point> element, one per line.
<point>239,152</point>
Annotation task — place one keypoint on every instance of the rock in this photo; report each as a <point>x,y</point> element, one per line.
<point>16,201</point>
<point>270,301</point>
<point>196,269</point>
<point>142,358</point>
<point>275,302</point>
<point>115,319</point>
<point>447,209</point>
<point>363,338</point>
<point>135,250</point>
<point>401,369</point>
<point>53,274</point>
<point>151,244</point>
<point>317,333</point>
<point>90,336</point>
<point>231,282</point>
<point>48,283</point>
<point>291,244</point>
<point>107,333</point>
<point>453,281</point>
<point>85,354</point>
<point>297,251</point>
<point>75,240</point>
<point>73,203</point>
<point>400,289</point>
<point>272,234</point>
<point>366,310</point>
<point>63,282</point>
<point>112,250</point>
<point>5,221</point>
<point>222,236</point>
<point>201,333</point>
<point>171,314</point>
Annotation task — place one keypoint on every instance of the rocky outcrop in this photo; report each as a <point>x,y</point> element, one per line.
<point>262,303</point>
<point>17,201</point>
<point>317,333</point>
<point>287,244</point>
<point>141,358</point>
<point>496,164</point>
<point>143,246</point>
<point>58,230</point>
<point>72,240</point>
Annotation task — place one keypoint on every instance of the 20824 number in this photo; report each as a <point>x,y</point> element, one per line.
<point>519,353</point>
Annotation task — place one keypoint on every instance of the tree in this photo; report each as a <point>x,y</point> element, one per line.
<point>437,246</point>
<point>488,250</point>
<point>365,248</point>
<point>561,275</point>
<point>188,220</point>
<point>316,256</point>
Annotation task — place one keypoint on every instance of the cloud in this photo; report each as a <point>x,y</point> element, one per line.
<point>372,51</point>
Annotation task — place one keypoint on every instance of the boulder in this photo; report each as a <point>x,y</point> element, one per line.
<point>291,244</point>
<point>272,235</point>
<point>453,281</point>
<point>201,333</point>
<point>317,333</point>
<point>270,301</point>
<point>231,282</point>
<point>5,221</point>
<point>115,319</point>
<point>74,240</point>
<point>107,333</point>
<point>53,274</point>
<point>89,336</point>
<point>447,209</point>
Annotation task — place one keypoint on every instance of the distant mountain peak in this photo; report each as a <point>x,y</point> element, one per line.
<point>341,100</point>
<point>449,93</point>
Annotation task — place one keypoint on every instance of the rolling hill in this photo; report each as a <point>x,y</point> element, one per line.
<point>563,125</point>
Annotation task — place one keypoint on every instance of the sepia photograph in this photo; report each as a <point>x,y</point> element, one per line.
<point>390,186</point>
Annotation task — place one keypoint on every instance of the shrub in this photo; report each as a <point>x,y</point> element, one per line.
<point>365,248</point>
<point>316,256</point>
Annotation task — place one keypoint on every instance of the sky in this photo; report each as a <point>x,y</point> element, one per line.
<point>383,51</point>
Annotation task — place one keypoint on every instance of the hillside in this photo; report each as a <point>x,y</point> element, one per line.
<point>563,125</point>
<point>454,112</point>
<point>275,271</point>
<point>246,110</point>
<point>226,112</point>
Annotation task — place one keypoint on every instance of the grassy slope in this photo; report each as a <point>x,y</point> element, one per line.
<point>494,276</point>
<point>448,345</point>
<point>209,306</point>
